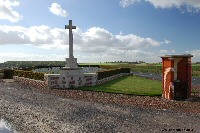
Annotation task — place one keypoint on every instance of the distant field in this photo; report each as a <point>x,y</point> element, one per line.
<point>120,64</point>
<point>196,65</point>
<point>144,67</point>
<point>108,64</point>
<point>130,85</point>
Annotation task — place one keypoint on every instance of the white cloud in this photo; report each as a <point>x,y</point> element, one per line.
<point>57,10</point>
<point>126,3</point>
<point>35,35</point>
<point>96,43</point>
<point>6,11</point>
<point>16,56</point>
<point>118,55</point>
<point>100,39</point>
<point>165,52</point>
<point>196,55</point>
<point>175,3</point>
<point>183,5</point>
<point>162,51</point>
<point>94,37</point>
<point>166,41</point>
<point>194,52</point>
<point>173,51</point>
<point>121,55</point>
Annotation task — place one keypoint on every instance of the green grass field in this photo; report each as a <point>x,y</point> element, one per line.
<point>107,64</point>
<point>130,85</point>
<point>144,67</point>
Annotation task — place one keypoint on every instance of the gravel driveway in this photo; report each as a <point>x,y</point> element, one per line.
<point>29,110</point>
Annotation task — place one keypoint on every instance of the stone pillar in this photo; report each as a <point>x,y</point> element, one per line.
<point>177,76</point>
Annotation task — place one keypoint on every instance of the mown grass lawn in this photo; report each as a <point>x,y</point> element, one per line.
<point>130,85</point>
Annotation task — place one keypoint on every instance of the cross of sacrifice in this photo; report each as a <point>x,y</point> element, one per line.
<point>70,27</point>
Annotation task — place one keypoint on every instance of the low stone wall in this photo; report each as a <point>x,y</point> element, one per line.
<point>90,79</point>
<point>31,82</point>
<point>102,81</point>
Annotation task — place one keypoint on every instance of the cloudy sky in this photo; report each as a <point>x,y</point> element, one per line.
<point>107,30</point>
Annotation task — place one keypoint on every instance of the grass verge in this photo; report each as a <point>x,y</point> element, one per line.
<point>130,85</point>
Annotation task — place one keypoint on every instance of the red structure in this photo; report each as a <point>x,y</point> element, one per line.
<point>176,76</point>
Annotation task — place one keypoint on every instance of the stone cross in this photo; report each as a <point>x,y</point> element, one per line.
<point>70,27</point>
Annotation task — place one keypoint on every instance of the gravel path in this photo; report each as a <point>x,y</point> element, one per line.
<point>41,111</point>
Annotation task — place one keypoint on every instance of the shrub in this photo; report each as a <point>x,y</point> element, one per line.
<point>8,74</point>
<point>88,66</point>
<point>1,73</point>
<point>125,70</point>
<point>29,74</point>
<point>112,72</point>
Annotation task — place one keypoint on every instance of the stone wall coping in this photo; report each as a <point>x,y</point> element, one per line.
<point>89,73</point>
<point>67,68</point>
<point>53,74</point>
<point>177,56</point>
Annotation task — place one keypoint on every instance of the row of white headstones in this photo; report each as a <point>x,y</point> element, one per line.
<point>56,70</point>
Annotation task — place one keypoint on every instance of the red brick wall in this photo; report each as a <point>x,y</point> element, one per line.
<point>184,74</point>
<point>168,78</point>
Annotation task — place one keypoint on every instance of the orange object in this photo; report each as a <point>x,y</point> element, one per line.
<point>177,74</point>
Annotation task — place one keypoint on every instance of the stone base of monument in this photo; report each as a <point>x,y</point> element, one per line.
<point>71,62</point>
<point>90,79</point>
<point>70,78</point>
<point>52,80</point>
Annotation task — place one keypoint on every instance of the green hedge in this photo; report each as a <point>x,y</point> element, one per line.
<point>147,69</point>
<point>29,74</point>
<point>109,73</point>
<point>8,74</point>
<point>88,66</point>
<point>1,73</point>
<point>196,71</point>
